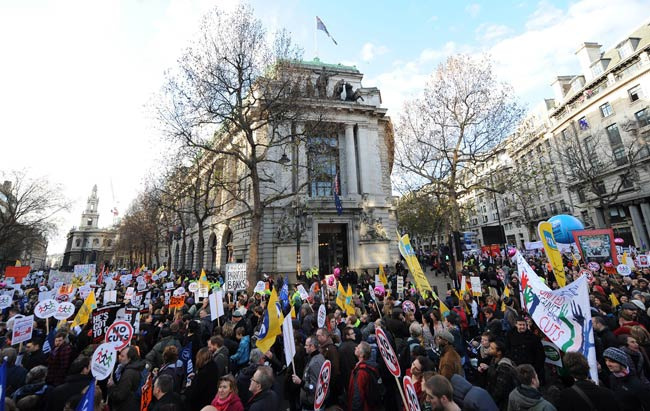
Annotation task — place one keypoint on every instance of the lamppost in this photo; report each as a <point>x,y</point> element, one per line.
<point>299,214</point>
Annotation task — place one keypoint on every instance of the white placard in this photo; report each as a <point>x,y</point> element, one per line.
<point>476,285</point>
<point>128,295</point>
<point>110,297</point>
<point>322,316</point>
<point>64,311</point>
<point>5,301</point>
<point>259,287</point>
<point>45,309</point>
<point>179,291</point>
<point>236,277</point>
<point>22,329</point>
<point>103,361</point>
<point>220,311</point>
<point>288,339</point>
<point>193,287</point>
<point>303,293</point>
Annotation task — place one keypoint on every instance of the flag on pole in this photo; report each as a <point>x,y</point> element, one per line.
<point>88,401</point>
<point>382,276</point>
<point>203,280</point>
<point>289,341</point>
<point>86,309</point>
<point>349,305</point>
<point>3,384</point>
<point>337,192</point>
<point>49,341</point>
<point>444,310</point>
<point>186,357</point>
<point>284,293</point>
<point>321,26</point>
<point>271,324</point>
<point>506,293</point>
<point>340,297</point>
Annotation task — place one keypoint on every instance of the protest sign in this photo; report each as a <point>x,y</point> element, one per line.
<point>193,287</point>
<point>45,309</point>
<point>17,273</point>
<point>64,311</point>
<point>411,395</point>
<point>552,353</point>
<point>322,385</point>
<point>563,315</point>
<point>259,287</point>
<point>235,277</point>
<point>303,293</point>
<point>387,352</point>
<point>322,316</point>
<point>83,273</point>
<point>128,295</point>
<point>46,295</point>
<point>102,318</point>
<point>288,339</point>
<point>168,295</point>
<point>176,302</point>
<point>119,334</point>
<point>5,301</point>
<point>22,329</point>
<point>110,297</point>
<point>103,361</point>
<point>476,286</point>
<point>624,269</point>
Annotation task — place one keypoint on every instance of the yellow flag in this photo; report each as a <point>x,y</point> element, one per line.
<point>86,309</point>
<point>18,264</point>
<point>382,276</point>
<point>624,258</point>
<point>506,293</point>
<point>349,305</point>
<point>293,311</point>
<point>271,324</point>
<point>407,252</point>
<point>576,263</point>
<point>614,300</point>
<point>545,230</point>
<point>444,310</point>
<point>159,270</point>
<point>203,280</point>
<point>340,297</point>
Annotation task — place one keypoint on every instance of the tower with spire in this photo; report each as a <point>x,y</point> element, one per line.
<point>90,216</point>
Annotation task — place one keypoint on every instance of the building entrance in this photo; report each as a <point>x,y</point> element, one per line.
<point>332,247</point>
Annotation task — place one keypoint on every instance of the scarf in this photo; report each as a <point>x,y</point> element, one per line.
<point>223,404</point>
<point>622,374</point>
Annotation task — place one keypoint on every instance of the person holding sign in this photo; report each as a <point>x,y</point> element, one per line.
<point>363,389</point>
<point>120,393</point>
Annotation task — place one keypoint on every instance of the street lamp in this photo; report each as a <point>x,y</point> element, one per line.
<point>299,214</point>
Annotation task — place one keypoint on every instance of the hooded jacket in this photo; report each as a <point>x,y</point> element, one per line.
<point>310,378</point>
<point>221,358</point>
<point>527,398</point>
<point>470,397</point>
<point>122,395</point>
<point>502,379</point>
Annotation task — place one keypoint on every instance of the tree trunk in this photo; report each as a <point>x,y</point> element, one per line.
<point>256,227</point>
<point>200,245</point>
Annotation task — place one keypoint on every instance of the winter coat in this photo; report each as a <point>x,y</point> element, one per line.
<point>171,398</point>
<point>526,348</point>
<point>73,385</point>
<point>16,376</point>
<point>204,387</point>
<point>450,362</point>
<point>122,395</point>
<point>244,380</point>
<point>177,372</point>
<point>629,392</point>
<point>154,357</point>
<point>243,351</point>
<point>470,397</point>
<point>266,400</point>
<point>58,364</point>
<point>602,398</point>
<point>347,360</point>
<point>358,389</point>
<point>310,378</point>
<point>222,360</point>
<point>527,398</point>
<point>331,353</point>
<point>502,379</point>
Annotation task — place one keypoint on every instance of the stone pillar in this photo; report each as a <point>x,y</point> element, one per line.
<point>638,224</point>
<point>351,159</point>
<point>645,210</point>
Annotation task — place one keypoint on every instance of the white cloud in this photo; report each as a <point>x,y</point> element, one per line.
<point>433,19</point>
<point>473,9</point>
<point>369,51</point>
<point>487,32</point>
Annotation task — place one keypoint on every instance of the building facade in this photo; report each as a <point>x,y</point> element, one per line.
<point>588,150</point>
<point>354,155</point>
<point>87,243</point>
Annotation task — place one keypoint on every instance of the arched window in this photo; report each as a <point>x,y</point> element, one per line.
<point>78,242</point>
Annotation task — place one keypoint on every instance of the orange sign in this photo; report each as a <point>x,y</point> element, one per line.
<point>18,273</point>
<point>176,302</point>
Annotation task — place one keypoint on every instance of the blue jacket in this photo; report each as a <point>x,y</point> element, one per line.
<point>470,397</point>
<point>241,356</point>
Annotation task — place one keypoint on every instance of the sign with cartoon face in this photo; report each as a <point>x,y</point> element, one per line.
<point>103,361</point>
<point>64,311</point>
<point>46,309</point>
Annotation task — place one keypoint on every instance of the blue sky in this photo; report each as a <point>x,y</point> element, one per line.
<point>77,75</point>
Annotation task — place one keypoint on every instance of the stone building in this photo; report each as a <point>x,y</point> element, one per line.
<point>355,154</point>
<point>87,243</point>
<point>602,112</point>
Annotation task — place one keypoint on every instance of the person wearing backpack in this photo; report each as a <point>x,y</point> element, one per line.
<point>502,375</point>
<point>365,387</point>
<point>125,381</point>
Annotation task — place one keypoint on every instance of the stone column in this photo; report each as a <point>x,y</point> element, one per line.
<point>645,210</point>
<point>638,224</point>
<point>351,159</point>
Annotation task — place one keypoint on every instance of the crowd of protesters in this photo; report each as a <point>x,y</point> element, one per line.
<point>485,353</point>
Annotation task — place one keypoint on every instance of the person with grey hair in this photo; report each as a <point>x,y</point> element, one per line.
<point>360,397</point>
<point>263,397</point>
<point>310,376</point>
<point>256,359</point>
<point>163,391</point>
<point>16,374</point>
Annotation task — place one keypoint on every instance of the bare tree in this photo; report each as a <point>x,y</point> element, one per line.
<point>236,94</point>
<point>29,210</point>
<point>601,166</point>
<point>444,135</point>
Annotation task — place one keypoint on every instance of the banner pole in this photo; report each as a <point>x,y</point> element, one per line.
<point>401,393</point>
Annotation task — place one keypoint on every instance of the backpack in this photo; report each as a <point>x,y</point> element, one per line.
<point>376,386</point>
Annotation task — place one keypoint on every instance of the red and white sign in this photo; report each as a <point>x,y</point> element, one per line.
<point>624,269</point>
<point>119,334</point>
<point>5,301</point>
<point>387,352</point>
<point>593,266</point>
<point>46,309</point>
<point>411,395</point>
<point>589,274</point>
<point>322,316</point>
<point>322,385</point>
<point>642,260</point>
<point>23,328</point>
<point>408,305</point>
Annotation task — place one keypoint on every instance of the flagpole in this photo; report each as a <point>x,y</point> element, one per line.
<point>316,40</point>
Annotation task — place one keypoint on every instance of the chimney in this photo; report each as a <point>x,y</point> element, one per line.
<point>561,86</point>
<point>587,54</point>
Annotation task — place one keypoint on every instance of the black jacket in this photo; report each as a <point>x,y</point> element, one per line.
<point>169,398</point>
<point>602,398</point>
<point>31,360</point>
<point>72,385</point>
<point>203,388</point>
<point>122,396</point>
<point>266,400</point>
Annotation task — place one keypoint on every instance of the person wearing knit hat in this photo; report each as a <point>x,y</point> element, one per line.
<point>639,304</point>
<point>628,389</point>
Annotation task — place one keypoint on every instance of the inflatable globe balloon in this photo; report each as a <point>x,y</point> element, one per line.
<point>609,264</point>
<point>512,252</point>
<point>380,291</point>
<point>563,227</point>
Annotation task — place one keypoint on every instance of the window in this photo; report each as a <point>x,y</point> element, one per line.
<point>625,50</point>
<point>585,217</point>
<point>581,194</point>
<point>606,110</point>
<point>619,156</point>
<point>542,210</point>
<point>589,145</point>
<point>77,243</point>
<point>323,165</point>
<point>563,206</point>
<point>95,242</point>
<point>89,221</point>
<point>597,70</point>
<point>534,212</point>
<point>600,187</point>
<point>642,117</point>
<point>635,93</point>
<point>626,181</point>
<point>553,208</point>
<point>614,135</point>
<point>485,219</point>
<point>566,134</point>
<point>110,243</point>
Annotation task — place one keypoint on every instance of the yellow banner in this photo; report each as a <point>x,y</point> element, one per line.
<point>382,275</point>
<point>340,297</point>
<point>545,230</point>
<point>271,323</point>
<point>84,312</point>
<point>407,252</point>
